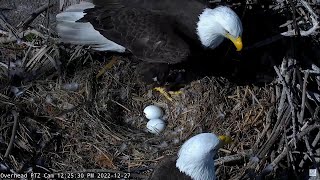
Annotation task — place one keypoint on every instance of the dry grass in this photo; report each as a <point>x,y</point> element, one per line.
<point>69,120</point>
<point>101,123</point>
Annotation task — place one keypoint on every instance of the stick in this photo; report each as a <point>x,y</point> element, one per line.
<point>311,153</point>
<point>7,26</point>
<point>306,74</point>
<point>307,130</point>
<point>265,129</point>
<point>275,133</point>
<point>315,23</point>
<point>18,37</point>
<point>295,24</point>
<point>34,15</point>
<point>285,149</point>
<point>233,158</point>
<point>47,14</point>
<point>289,97</point>
<point>308,7</point>
<point>13,134</point>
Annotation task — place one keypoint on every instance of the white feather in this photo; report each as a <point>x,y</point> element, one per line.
<point>195,158</point>
<point>80,7</point>
<point>82,33</point>
<point>214,23</point>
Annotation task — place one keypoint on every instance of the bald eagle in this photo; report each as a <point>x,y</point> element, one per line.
<point>159,33</point>
<point>194,160</point>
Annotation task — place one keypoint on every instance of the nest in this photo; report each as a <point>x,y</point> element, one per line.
<point>67,109</point>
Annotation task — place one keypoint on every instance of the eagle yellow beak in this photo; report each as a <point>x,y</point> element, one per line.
<point>225,139</point>
<point>236,41</point>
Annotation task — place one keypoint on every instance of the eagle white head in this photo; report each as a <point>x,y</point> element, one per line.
<point>216,24</point>
<point>195,158</point>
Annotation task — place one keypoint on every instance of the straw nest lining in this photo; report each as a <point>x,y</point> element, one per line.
<point>65,118</point>
<point>104,126</point>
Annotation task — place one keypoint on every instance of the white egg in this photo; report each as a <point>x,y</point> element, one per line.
<point>153,112</point>
<point>156,126</point>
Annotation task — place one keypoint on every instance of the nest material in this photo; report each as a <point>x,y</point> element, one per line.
<point>67,113</point>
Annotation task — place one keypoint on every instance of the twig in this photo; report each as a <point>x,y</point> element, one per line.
<point>295,24</point>
<point>34,15</point>
<point>311,153</point>
<point>308,7</point>
<point>19,36</point>
<point>307,130</point>
<point>284,152</point>
<point>302,32</point>
<point>265,129</point>
<point>315,115</point>
<point>290,161</point>
<point>315,23</point>
<point>289,97</point>
<point>306,74</point>
<point>283,93</point>
<point>13,134</point>
<point>233,158</point>
<point>275,133</point>
<point>108,66</point>
<point>7,26</point>
<point>309,94</point>
<point>48,17</point>
<point>121,105</point>
<point>316,69</point>
<point>281,104</point>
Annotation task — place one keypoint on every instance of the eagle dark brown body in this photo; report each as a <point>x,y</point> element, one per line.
<point>167,170</point>
<point>159,33</point>
<point>159,37</point>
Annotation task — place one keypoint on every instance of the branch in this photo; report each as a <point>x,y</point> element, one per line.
<point>283,154</point>
<point>315,23</point>
<point>34,15</point>
<point>306,75</point>
<point>311,153</point>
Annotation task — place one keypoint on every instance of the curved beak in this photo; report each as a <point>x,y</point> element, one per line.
<point>236,41</point>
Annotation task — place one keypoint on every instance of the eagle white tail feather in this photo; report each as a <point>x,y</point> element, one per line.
<point>82,33</point>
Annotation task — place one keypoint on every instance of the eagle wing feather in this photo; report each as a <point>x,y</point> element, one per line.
<point>150,36</point>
